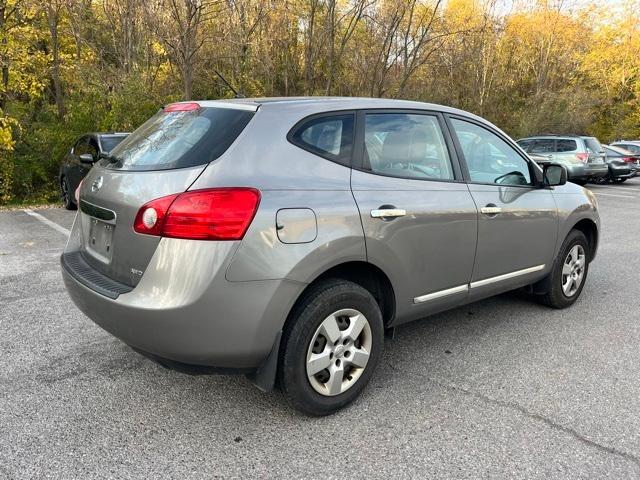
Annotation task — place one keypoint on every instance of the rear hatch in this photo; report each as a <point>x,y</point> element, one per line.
<point>162,157</point>
<point>596,152</point>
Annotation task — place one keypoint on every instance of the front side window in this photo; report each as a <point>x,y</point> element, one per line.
<point>328,136</point>
<point>489,158</point>
<point>92,148</point>
<point>525,144</point>
<point>406,145</point>
<point>81,146</point>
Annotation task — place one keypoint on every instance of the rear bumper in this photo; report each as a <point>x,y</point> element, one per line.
<point>585,171</point>
<point>622,171</point>
<point>184,311</point>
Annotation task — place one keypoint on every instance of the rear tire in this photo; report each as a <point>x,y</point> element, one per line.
<point>337,325</point>
<point>600,180</point>
<point>619,180</point>
<point>569,272</point>
<point>67,194</point>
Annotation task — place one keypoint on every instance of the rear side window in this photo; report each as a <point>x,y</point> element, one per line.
<point>179,139</point>
<point>329,136</point>
<point>407,146</point>
<point>543,145</point>
<point>567,145</point>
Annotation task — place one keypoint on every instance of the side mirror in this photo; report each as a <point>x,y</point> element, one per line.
<point>86,158</point>
<point>554,174</point>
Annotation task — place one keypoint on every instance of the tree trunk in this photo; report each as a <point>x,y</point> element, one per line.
<point>53,18</point>
<point>4,59</point>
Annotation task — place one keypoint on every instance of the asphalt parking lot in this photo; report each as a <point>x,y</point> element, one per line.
<point>503,388</point>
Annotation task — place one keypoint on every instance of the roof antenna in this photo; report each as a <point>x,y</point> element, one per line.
<point>236,94</point>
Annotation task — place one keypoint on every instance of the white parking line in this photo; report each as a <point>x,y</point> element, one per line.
<point>622,189</point>
<point>46,221</point>
<point>613,195</point>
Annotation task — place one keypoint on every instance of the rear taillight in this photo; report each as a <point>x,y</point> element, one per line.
<point>583,157</point>
<point>76,194</point>
<point>211,214</point>
<point>628,159</point>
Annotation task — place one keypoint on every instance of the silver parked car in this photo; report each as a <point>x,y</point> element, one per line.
<point>584,157</point>
<point>632,146</point>
<point>281,238</point>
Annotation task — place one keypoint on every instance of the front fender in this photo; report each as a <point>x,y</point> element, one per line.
<point>576,204</point>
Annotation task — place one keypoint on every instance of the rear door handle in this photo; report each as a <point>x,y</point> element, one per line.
<point>388,213</point>
<point>491,209</point>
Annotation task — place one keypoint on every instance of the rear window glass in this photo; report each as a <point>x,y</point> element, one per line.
<point>179,139</point>
<point>566,145</point>
<point>329,136</point>
<point>632,148</point>
<point>593,144</point>
<point>109,143</point>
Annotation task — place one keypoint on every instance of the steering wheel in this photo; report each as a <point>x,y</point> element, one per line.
<point>522,180</point>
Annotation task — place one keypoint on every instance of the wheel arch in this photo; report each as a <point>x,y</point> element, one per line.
<point>590,230</point>
<point>365,274</point>
<point>368,276</point>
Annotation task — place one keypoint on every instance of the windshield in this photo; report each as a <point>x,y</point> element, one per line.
<point>179,139</point>
<point>110,142</point>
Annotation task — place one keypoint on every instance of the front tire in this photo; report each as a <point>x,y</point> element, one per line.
<point>569,272</point>
<point>330,347</point>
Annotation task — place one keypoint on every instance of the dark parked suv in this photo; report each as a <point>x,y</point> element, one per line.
<point>85,152</point>
<point>582,156</point>
<point>281,237</point>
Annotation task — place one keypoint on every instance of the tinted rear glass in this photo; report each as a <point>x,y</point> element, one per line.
<point>109,143</point>
<point>329,136</point>
<point>593,144</point>
<point>179,139</point>
<point>616,151</point>
<point>566,145</point>
<point>543,145</point>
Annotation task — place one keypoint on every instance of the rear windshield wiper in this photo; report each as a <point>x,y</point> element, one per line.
<point>111,158</point>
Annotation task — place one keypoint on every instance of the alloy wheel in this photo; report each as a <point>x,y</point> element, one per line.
<point>573,270</point>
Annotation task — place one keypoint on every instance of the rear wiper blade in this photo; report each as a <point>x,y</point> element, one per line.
<point>110,158</point>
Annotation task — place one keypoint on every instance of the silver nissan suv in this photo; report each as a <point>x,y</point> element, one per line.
<point>281,238</point>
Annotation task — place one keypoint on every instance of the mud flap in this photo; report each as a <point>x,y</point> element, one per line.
<point>265,376</point>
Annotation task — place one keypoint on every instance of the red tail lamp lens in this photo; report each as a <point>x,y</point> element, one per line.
<point>211,214</point>
<point>181,107</point>
<point>583,157</point>
<point>76,194</point>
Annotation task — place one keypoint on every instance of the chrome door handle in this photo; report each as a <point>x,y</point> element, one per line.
<point>491,210</point>
<point>388,213</point>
